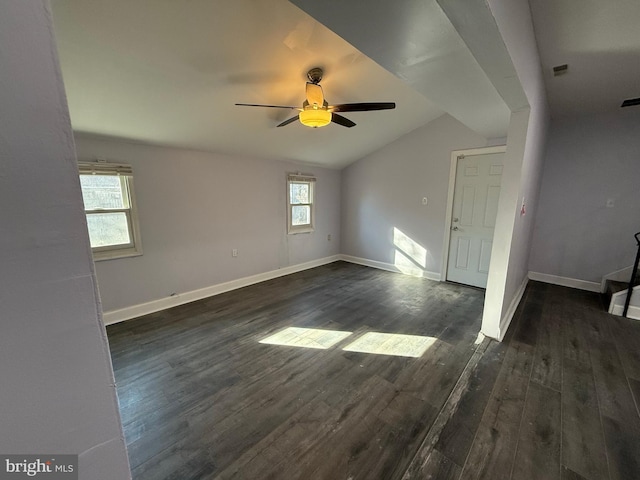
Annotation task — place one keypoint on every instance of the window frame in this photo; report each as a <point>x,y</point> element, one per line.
<point>307,227</point>
<point>125,174</point>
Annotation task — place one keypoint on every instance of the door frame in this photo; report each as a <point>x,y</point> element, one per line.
<point>455,156</point>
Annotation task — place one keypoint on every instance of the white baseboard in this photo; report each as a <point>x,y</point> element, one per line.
<point>565,281</point>
<point>134,311</point>
<point>387,266</point>
<point>508,316</point>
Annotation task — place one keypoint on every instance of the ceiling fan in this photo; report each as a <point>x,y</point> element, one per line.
<point>316,112</point>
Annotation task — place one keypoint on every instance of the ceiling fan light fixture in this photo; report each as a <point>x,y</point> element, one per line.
<point>315,117</point>
<point>316,111</point>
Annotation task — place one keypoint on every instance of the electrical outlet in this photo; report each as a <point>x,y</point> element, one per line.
<point>611,202</point>
<point>234,252</point>
<point>329,238</point>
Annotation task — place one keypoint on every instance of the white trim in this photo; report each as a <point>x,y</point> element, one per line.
<point>615,306</point>
<point>386,266</point>
<point>614,298</point>
<point>622,275</point>
<point>447,227</point>
<point>565,281</point>
<point>134,311</point>
<point>633,312</point>
<point>505,322</point>
<point>307,227</point>
<point>134,249</point>
<point>452,185</point>
<point>102,167</point>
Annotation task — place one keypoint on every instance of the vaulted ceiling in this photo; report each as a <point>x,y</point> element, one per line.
<point>169,73</point>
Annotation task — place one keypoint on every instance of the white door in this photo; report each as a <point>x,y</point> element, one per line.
<point>475,205</point>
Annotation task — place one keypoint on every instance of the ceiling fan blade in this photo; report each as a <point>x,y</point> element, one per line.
<point>288,121</point>
<point>340,120</point>
<point>267,106</point>
<point>362,107</point>
<point>314,94</point>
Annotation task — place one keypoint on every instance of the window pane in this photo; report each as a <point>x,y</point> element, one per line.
<point>299,193</point>
<point>108,229</point>
<point>102,191</point>
<point>300,215</point>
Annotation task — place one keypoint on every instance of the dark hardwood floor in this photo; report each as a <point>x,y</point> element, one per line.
<point>562,402</point>
<point>202,398</point>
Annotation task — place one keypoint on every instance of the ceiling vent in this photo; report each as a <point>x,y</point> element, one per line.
<point>631,102</point>
<point>560,70</point>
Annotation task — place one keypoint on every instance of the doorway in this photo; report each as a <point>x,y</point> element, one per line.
<point>471,214</point>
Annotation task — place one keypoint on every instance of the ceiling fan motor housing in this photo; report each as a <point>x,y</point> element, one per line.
<point>315,75</point>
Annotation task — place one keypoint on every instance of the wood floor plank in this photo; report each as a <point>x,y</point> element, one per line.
<point>529,320</point>
<point>583,447</point>
<point>457,436</point>
<point>620,419</point>
<point>538,454</point>
<point>622,438</point>
<point>627,337</point>
<point>615,398</point>
<point>575,337</point>
<point>202,398</point>
<point>440,467</point>
<point>493,450</point>
<point>281,452</point>
<point>635,389</point>
<point>547,363</point>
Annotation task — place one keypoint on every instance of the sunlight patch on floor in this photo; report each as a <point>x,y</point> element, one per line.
<point>306,338</point>
<point>391,344</point>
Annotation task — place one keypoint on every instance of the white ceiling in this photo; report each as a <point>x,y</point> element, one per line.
<point>169,73</point>
<point>600,42</point>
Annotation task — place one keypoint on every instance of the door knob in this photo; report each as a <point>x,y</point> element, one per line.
<point>455,228</point>
<point>455,219</point>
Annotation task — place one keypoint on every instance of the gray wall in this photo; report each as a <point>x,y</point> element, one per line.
<point>384,190</point>
<point>57,390</point>
<point>589,160</point>
<point>195,207</point>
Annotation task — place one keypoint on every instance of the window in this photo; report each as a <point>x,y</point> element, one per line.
<point>300,203</point>
<point>109,203</point>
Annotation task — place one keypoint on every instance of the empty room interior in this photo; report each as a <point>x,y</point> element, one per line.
<point>293,239</point>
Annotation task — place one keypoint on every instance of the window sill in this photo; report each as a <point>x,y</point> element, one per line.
<point>295,231</point>
<point>114,254</point>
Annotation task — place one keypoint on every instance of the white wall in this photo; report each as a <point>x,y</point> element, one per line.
<point>195,207</point>
<point>384,190</point>
<point>57,390</point>
<point>589,160</point>
<point>524,158</point>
